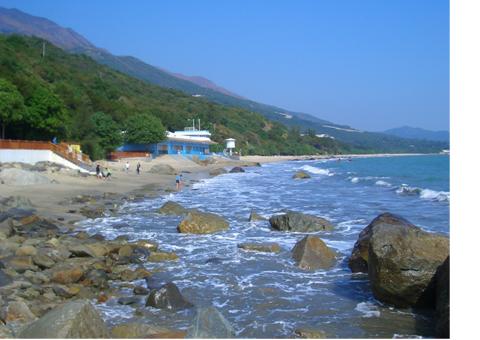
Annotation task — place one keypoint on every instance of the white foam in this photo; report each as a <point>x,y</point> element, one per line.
<point>355,180</point>
<point>383,183</point>
<point>368,309</point>
<point>435,195</point>
<point>317,171</point>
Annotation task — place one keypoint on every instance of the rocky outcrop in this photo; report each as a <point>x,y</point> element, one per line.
<point>442,300</point>
<point>167,297</point>
<point>210,323</point>
<point>218,171</point>
<point>75,319</point>
<point>202,223</point>
<point>22,177</point>
<point>301,175</point>
<point>298,222</point>
<point>260,247</point>
<point>172,208</point>
<point>162,256</point>
<point>358,261</point>
<point>163,169</point>
<point>236,169</point>
<point>312,253</point>
<point>254,216</point>
<point>134,330</point>
<point>402,262</point>
<point>308,333</point>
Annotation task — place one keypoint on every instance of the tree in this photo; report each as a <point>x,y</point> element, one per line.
<point>144,128</point>
<point>11,104</point>
<point>46,112</point>
<point>106,130</point>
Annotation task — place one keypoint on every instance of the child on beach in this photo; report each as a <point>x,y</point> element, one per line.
<point>138,168</point>
<point>127,167</point>
<point>97,170</point>
<point>178,181</point>
<point>109,174</point>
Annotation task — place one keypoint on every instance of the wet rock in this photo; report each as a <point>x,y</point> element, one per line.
<point>217,172</point>
<point>157,280</point>
<point>125,251</point>
<point>301,175</point>
<point>43,261</point>
<point>6,228</point>
<point>312,253</point>
<point>128,300</point>
<point>146,244</point>
<point>402,261</point>
<point>307,333</point>
<point>133,330</point>
<point>167,297</point>
<point>36,277</point>
<point>298,222</point>
<point>66,274</point>
<point>66,292</point>
<point>19,263</point>
<point>358,261</point>
<point>93,250</point>
<point>210,323</point>
<point>140,290</point>
<point>98,237</point>
<point>82,235</point>
<point>26,251</point>
<point>260,247</point>
<point>173,208</point>
<point>96,278</point>
<point>75,319</point>
<point>442,302</point>
<point>5,279</point>
<point>93,211</point>
<point>162,256</point>
<point>17,311</point>
<point>255,217</point>
<point>236,169</point>
<point>202,223</point>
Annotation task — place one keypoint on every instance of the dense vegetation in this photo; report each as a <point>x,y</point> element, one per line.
<point>71,97</point>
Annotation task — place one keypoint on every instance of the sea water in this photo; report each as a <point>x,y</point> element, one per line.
<point>266,295</point>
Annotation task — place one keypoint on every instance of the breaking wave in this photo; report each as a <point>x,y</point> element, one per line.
<point>317,171</point>
<point>440,196</point>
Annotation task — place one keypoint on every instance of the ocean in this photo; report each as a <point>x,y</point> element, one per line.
<point>266,295</point>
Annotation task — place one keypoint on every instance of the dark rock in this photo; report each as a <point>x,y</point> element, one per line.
<point>172,208</point>
<point>202,223</point>
<point>312,253</point>
<point>93,211</point>
<point>358,261</point>
<point>236,169</point>
<point>98,237</point>
<point>307,333</point>
<point>75,319</point>
<point>260,247</point>
<point>140,290</point>
<point>216,172</point>
<point>301,175</point>
<point>167,297</point>
<point>43,261</point>
<point>442,303</point>
<point>210,323</point>
<point>402,262</point>
<point>255,217</point>
<point>96,278</point>
<point>128,300</point>
<point>215,260</point>
<point>298,222</point>
<point>5,279</point>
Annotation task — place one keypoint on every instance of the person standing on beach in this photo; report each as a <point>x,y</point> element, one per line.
<point>127,167</point>
<point>178,181</point>
<point>97,170</point>
<point>138,168</point>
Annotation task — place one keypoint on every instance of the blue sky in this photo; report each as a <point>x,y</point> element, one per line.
<point>369,64</point>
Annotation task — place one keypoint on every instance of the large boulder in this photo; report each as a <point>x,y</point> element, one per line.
<point>163,169</point>
<point>172,208</point>
<point>312,253</point>
<point>210,323</point>
<point>402,262</point>
<point>298,222</point>
<point>17,311</point>
<point>167,297</point>
<point>22,177</point>
<point>134,330</point>
<point>75,319</point>
<point>358,261</point>
<point>202,223</point>
<point>442,302</point>
<point>301,175</point>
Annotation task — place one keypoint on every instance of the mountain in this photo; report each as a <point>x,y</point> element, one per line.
<point>419,133</point>
<point>14,21</point>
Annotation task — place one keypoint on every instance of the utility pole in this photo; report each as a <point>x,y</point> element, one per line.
<point>43,50</point>
<point>199,124</point>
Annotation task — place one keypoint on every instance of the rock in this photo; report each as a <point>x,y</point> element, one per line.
<point>66,274</point>
<point>96,278</point>
<point>19,263</point>
<point>442,302</point>
<point>236,169</point>
<point>255,217</point>
<point>133,330</point>
<point>260,247</point>
<point>217,172</point>
<point>75,319</point>
<point>21,177</point>
<point>17,311</point>
<point>43,261</point>
<point>301,175</point>
<point>82,235</point>
<point>66,292</point>
<point>125,251</point>
<point>358,261</point>
<point>93,250</point>
<point>162,256</point>
<point>402,261</point>
<point>36,277</point>
<point>168,334</point>
<point>202,223</point>
<point>308,333</point>
<point>5,279</point>
<point>6,228</point>
<point>312,253</point>
<point>5,332</point>
<point>140,290</point>
<point>167,297</point>
<point>163,169</point>
<point>26,251</point>
<point>172,208</point>
<point>146,244</point>
<point>93,211</point>
<point>128,300</point>
<point>298,222</point>
<point>17,202</point>
<point>210,323</point>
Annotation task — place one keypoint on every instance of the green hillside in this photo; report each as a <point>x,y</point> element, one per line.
<point>62,91</point>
